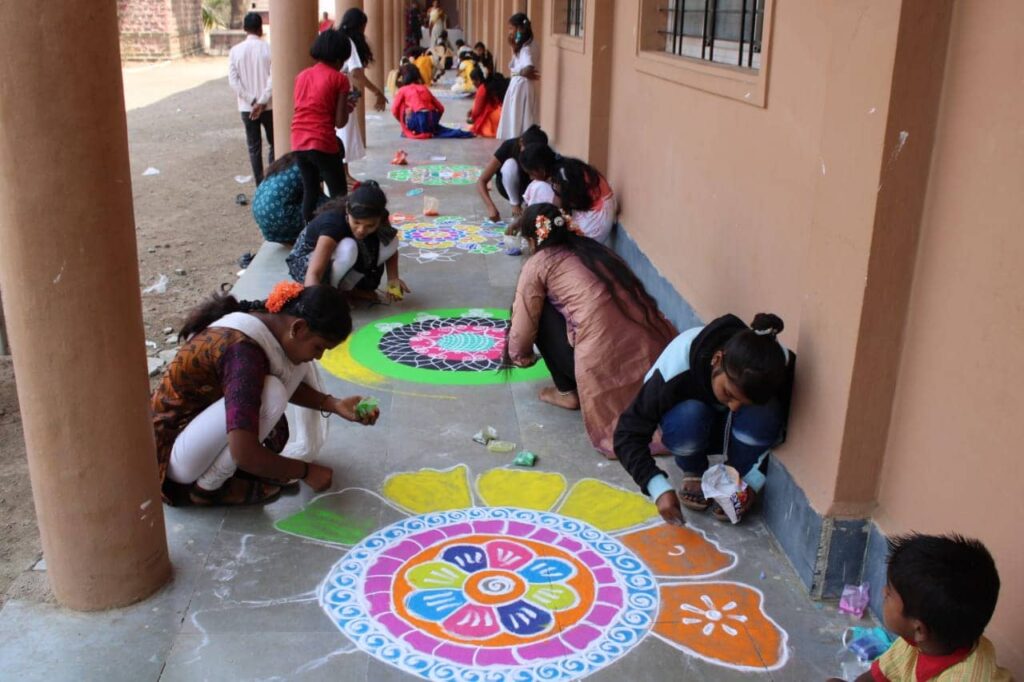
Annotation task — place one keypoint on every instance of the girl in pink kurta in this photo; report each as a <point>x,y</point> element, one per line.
<point>597,328</point>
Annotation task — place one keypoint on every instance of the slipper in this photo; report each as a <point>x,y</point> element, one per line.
<point>694,500</point>
<point>241,200</point>
<point>287,487</point>
<point>255,493</point>
<point>401,158</point>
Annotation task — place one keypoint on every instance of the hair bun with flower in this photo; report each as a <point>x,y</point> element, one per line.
<point>281,294</point>
<point>542,228</point>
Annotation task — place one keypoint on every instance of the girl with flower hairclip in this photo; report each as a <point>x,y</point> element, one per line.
<point>596,327</point>
<point>218,412</point>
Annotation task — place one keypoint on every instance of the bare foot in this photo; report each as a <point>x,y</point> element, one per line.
<point>568,401</point>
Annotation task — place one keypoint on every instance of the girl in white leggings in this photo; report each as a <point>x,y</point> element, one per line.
<point>218,413</point>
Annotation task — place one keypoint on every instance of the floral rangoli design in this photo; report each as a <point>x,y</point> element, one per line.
<point>451,232</point>
<point>519,578</point>
<point>448,346</point>
<point>437,174</point>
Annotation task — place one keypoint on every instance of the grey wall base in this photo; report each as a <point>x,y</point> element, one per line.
<point>674,306</point>
<point>827,553</point>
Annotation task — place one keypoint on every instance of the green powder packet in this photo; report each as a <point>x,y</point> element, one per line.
<point>366,406</point>
<point>525,458</point>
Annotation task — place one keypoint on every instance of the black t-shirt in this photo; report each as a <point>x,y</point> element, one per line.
<point>331,224</point>
<point>509,149</point>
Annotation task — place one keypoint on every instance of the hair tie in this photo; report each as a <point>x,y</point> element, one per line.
<point>282,294</point>
<point>766,332</point>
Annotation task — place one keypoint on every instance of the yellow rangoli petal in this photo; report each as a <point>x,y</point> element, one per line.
<point>429,490</point>
<point>606,507</point>
<point>525,489</point>
<point>340,363</point>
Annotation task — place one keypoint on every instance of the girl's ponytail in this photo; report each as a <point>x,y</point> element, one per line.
<point>754,359</point>
<point>217,306</point>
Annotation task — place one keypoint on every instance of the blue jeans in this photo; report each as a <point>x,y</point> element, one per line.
<point>692,430</point>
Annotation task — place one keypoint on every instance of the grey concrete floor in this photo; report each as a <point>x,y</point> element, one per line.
<point>243,602</point>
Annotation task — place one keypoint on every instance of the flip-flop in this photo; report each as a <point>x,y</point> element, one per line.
<point>693,500</point>
<point>287,487</point>
<point>241,200</point>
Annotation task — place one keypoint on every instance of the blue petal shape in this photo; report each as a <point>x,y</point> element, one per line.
<point>547,570</point>
<point>434,605</point>
<point>524,619</point>
<point>469,558</point>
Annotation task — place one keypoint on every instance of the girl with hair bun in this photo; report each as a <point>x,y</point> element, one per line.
<point>722,388</point>
<point>218,412</point>
<point>595,325</point>
<point>349,245</point>
<point>519,110</point>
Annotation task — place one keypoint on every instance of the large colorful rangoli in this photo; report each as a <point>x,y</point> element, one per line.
<point>512,590</point>
<point>437,174</point>
<point>449,232</point>
<point>450,346</point>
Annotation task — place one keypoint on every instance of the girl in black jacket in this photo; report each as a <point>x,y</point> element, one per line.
<point>722,388</point>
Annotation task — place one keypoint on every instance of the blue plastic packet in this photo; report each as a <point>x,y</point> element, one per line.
<point>867,644</point>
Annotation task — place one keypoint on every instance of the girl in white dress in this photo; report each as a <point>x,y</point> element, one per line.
<point>353,25</point>
<point>519,110</point>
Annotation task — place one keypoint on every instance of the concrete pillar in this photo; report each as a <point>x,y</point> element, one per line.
<point>73,306</point>
<point>293,30</point>
<point>375,37</point>
<point>386,50</point>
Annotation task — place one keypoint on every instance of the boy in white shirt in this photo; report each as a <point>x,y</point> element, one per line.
<point>249,77</point>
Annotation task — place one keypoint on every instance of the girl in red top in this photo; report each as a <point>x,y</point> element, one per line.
<point>486,112</point>
<point>322,103</point>
<point>418,111</point>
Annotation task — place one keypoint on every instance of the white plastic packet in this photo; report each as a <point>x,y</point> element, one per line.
<point>157,287</point>
<point>723,484</point>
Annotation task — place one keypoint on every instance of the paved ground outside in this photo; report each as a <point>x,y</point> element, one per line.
<point>434,558</point>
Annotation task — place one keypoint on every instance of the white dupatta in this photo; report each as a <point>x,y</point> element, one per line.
<point>308,430</point>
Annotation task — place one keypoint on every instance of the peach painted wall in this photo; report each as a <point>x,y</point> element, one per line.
<point>955,441</point>
<point>719,193</point>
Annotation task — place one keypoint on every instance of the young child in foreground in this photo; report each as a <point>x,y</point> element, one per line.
<point>940,595</point>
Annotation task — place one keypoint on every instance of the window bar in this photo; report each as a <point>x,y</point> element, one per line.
<point>753,32</point>
<point>714,18</point>
<point>568,17</point>
<point>743,26</point>
<point>704,36</point>
<point>677,31</point>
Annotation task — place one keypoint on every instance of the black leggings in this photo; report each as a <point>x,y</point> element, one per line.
<point>553,343</point>
<point>315,166</point>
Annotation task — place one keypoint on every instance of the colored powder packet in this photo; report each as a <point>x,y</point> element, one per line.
<point>366,406</point>
<point>525,458</point>
<point>501,446</point>
<point>485,435</point>
<point>396,291</point>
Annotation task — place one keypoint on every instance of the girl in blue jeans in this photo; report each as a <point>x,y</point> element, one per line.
<point>723,388</point>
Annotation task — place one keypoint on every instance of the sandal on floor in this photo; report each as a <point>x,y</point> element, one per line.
<point>287,487</point>
<point>691,499</point>
<point>746,502</point>
<point>255,492</point>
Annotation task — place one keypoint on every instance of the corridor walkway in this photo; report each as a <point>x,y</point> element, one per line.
<point>278,593</point>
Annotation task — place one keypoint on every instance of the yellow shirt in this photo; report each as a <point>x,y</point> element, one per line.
<point>426,66</point>
<point>899,664</point>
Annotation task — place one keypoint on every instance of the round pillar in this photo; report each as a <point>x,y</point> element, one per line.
<point>70,277</point>
<point>375,37</point>
<point>293,28</point>
<point>386,51</point>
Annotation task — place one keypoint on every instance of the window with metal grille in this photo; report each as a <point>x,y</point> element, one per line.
<point>572,18</point>
<point>720,31</point>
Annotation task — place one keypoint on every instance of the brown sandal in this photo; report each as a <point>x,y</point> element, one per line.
<point>691,499</point>
<point>255,492</point>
